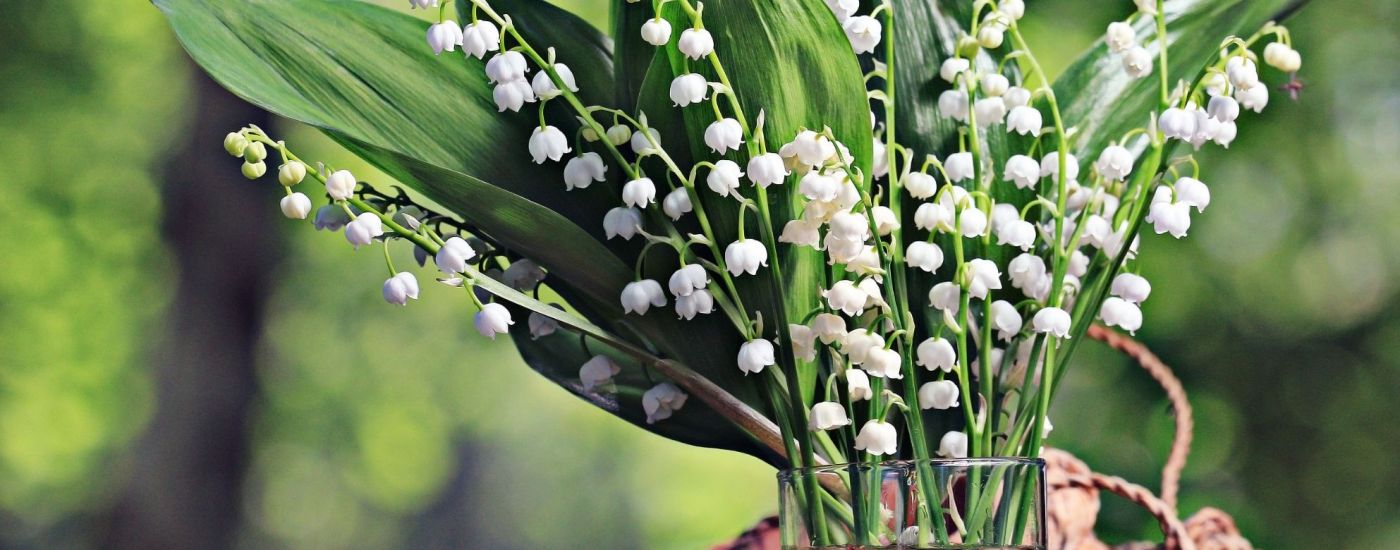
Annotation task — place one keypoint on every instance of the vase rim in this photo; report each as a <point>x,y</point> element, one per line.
<point>935,462</point>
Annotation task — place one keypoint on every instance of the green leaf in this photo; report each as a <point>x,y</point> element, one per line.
<point>1103,102</point>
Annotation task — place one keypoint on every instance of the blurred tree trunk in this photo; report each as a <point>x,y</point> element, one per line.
<point>187,470</point>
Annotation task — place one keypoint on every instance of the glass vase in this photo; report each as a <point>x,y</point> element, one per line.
<point>975,503</point>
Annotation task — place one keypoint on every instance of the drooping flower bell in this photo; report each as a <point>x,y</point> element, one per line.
<point>688,88</point>
<point>882,362</point>
<point>661,401</point>
<point>400,288</point>
<point>544,87</point>
<point>453,256</point>
<point>945,296</point>
<point>688,279</point>
<point>512,95</point>
<point>1242,72</point>
<point>878,438</point>
<point>1137,62</point>
<point>1117,312</point>
<point>622,222</point>
<point>953,445</point>
<point>1053,321</point>
<point>827,415</point>
<point>1022,171</point>
<point>363,229</point>
<point>811,148</point>
<point>700,302</point>
<point>548,142</point>
<point>919,185</point>
<point>640,296</point>
<point>541,325</point>
<point>1115,163</point>
<point>959,166</point>
<point>639,193</point>
<point>953,104</point>
<point>939,394</point>
<point>745,256</point>
<point>989,111</point>
<point>1167,215</point>
<point>296,206</point>
<point>1050,166</point>
<point>696,43</point>
<point>804,341</point>
<point>597,372</point>
<point>444,36</point>
<point>858,344</point>
<point>767,169</point>
<point>1223,108</point>
<point>1024,120</point>
<point>1131,287</point>
<point>493,319</point>
<point>1006,320</point>
<point>723,178</point>
<point>1192,192</point>
<point>863,31</point>
<point>936,354</point>
<point>846,297</point>
<point>983,276</point>
<point>1017,233</point>
<point>676,203</point>
<point>581,171</point>
<point>819,187</point>
<point>801,233</point>
<point>656,31</point>
<point>340,185</point>
<point>952,67</point>
<point>754,355</point>
<point>642,143</point>
<point>1283,57</point>
<point>858,385</point>
<point>330,217</point>
<point>480,37</point>
<point>1177,123</point>
<point>829,327</point>
<point>724,135</point>
<point>924,255</point>
<point>507,66</point>
<point>291,173</point>
<point>1120,37</point>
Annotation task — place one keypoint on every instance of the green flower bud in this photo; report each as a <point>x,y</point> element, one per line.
<point>968,47</point>
<point>254,170</point>
<point>291,173</point>
<point>255,152</point>
<point>234,143</point>
<point>619,134</point>
<point>589,135</point>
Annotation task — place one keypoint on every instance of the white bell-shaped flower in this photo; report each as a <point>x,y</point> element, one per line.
<point>1117,312</point>
<point>296,206</point>
<point>994,84</point>
<point>991,34</point>
<point>696,43</point>
<point>1131,287</point>
<point>340,185</point>
<point>661,401</point>
<point>1137,62</point>
<point>480,37</point>
<point>945,296</point>
<point>1024,120</point>
<point>863,31</point>
<point>689,88</point>
<point>829,328</point>
<point>548,142</point>
<point>885,220</point>
<point>953,445</point>
<point>878,438</point>
<point>330,217</point>
<point>640,296</point>
<point>843,9</point>
<point>745,256</point>
<point>688,279</point>
<point>444,36</point>
<point>724,135</point>
<point>639,193</point>
<point>1120,37</point>
<point>1016,96</point>
<point>507,66</point>
<point>1225,134</point>
<point>953,104</point>
<point>801,233</point>
<point>400,288</point>
<point>597,372</point>
<point>523,275</point>
<point>453,256</point>
<point>1006,320</point>
<point>972,222</point>
<point>723,178</point>
<point>1053,321</point>
<point>952,67</point>
<point>1283,57</point>
<point>700,302</point>
<point>1017,233</point>
<point>1254,98</point>
<point>581,171</point>
<point>656,32</point>
<point>919,185</point>
<point>849,226</point>
<point>939,394</point>
<point>676,203</point>
<point>544,87</point>
<point>363,229</point>
<point>541,325</point>
<point>858,385</point>
<point>811,148</point>
<point>932,217</point>
<point>642,143</point>
<point>880,158</point>
<point>1027,272</point>
<point>1223,108</point>
<point>936,354</point>
<point>959,166</point>
<point>827,415</point>
<point>493,319</point>
<point>983,276</point>
<point>622,222</point>
<point>819,187</point>
<point>882,362</point>
<point>858,344</point>
<point>989,111</point>
<point>846,297</point>
<point>1013,9</point>
<point>1242,72</point>
<point>767,169</point>
<point>924,255</point>
<point>804,341</point>
<point>1022,171</point>
<point>1115,163</point>
<point>1192,192</point>
<point>754,355</point>
<point>512,95</point>
<point>1167,216</point>
<point>1050,166</point>
<point>1177,123</point>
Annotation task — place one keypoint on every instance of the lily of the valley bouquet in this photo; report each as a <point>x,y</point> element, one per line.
<point>832,235</point>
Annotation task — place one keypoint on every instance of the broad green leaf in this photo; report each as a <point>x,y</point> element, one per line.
<point>366,72</point>
<point>1103,102</point>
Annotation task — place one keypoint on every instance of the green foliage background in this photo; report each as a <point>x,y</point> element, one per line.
<point>1278,313</point>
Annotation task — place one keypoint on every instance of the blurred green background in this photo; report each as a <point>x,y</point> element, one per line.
<point>179,365</point>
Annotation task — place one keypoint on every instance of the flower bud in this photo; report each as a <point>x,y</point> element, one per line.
<point>597,372</point>
<point>695,43</point>
<point>877,438</point>
<point>939,394</point>
<point>291,173</point>
<point>400,288</point>
<point>1137,62</point>
<point>661,401</point>
<point>296,206</point>
<point>340,185</point>
<point>618,134</point>
<point>493,319</point>
<point>754,355</point>
<point>235,143</point>
<point>254,170</point>
<point>255,152</point>
<point>452,257</point>
<point>827,415</point>
<point>968,47</point>
<point>990,36</point>
<point>1282,57</point>
<point>1120,37</point>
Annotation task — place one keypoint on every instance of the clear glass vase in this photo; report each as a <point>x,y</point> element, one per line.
<point>975,503</point>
